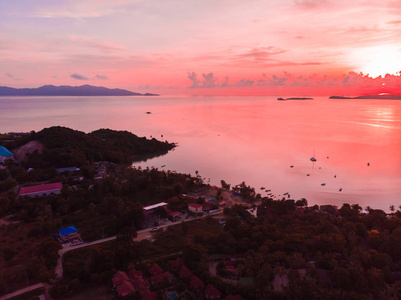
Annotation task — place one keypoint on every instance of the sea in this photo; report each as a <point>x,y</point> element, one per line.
<point>266,143</point>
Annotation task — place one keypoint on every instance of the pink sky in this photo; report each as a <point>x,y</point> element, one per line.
<point>226,47</point>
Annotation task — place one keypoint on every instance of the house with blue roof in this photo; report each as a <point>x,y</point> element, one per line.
<point>70,235</point>
<point>5,154</point>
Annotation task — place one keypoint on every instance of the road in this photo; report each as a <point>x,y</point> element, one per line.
<point>23,291</point>
<point>142,234</point>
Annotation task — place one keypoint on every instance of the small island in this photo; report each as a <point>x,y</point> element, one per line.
<point>66,90</point>
<point>295,98</point>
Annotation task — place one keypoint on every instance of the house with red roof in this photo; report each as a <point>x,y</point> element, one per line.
<point>161,278</point>
<point>207,206</point>
<point>41,190</point>
<point>175,215</point>
<point>195,207</point>
<point>155,269</point>
<point>140,284</point>
<point>196,283</point>
<point>134,274</point>
<point>177,264</point>
<point>211,292</point>
<point>119,278</point>
<point>125,289</point>
<point>148,295</point>
<point>186,273</point>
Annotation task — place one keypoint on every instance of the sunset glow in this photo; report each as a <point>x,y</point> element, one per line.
<point>290,47</point>
<point>379,61</point>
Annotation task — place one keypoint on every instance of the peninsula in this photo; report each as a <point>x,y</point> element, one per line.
<point>380,96</point>
<point>66,90</point>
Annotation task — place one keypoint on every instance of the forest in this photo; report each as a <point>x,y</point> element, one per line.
<point>288,251</point>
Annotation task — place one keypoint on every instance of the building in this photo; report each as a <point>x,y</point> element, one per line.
<point>211,292</point>
<point>69,169</point>
<point>121,283</point>
<point>119,277</point>
<point>174,215</point>
<point>161,278</point>
<point>185,273</point>
<point>5,154</point>
<point>125,289</point>
<point>41,190</point>
<point>148,295</point>
<point>149,210</point>
<point>155,269</point>
<point>70,235</point>
<point>194,207</point>
<point>208,206</point>
<point>196,283</point>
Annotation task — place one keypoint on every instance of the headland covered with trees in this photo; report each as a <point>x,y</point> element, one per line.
<point>254,247</point>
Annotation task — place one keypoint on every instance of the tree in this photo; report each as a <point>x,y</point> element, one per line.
<point>225,185</point>
<point>301,202</point>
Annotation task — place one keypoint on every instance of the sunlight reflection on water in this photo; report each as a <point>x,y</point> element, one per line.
<point>251,139</point>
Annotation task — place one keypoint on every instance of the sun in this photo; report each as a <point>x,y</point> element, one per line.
<point>378,61</point>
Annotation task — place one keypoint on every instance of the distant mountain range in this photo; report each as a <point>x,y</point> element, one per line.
<point>66,90</point>
<point>384,96</point>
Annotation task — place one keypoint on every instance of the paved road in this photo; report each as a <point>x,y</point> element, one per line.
<point>142,234</point>
<point>22,291</point>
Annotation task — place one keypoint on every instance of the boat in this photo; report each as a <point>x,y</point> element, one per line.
<point>281,99</point>
<point>313,157</point>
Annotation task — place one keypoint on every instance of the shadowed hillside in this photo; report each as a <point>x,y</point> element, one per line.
<point>65,147</point>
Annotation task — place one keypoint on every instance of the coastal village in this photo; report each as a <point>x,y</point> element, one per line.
<point>185,240</point>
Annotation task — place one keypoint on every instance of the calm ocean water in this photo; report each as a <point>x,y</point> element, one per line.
<point>251,139</point>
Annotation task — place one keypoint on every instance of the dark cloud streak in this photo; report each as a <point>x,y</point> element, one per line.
<point>78,76</point>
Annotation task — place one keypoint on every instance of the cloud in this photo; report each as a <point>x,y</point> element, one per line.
<point>103,77</point>
<point>258,55</point>
<point>397,22</point>
<point>79,76</point>
<point>195,82</point>
<point>209,81</point>
<point>311,4</point>
<point>9,75</point>
<point>83,9</point>
<point>103,46</point>
<point>244,83</point>
<point>289,80</point>
<point>226,83</point>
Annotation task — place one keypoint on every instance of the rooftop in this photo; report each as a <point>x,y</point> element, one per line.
<point>68,230</point>
<point>40,188</point>
<point>155,205</point>
<point>5,152</point>
<point>71,169</point>
<point>195,205</point>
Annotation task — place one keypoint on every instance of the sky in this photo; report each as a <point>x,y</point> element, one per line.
<point>204,47</point>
